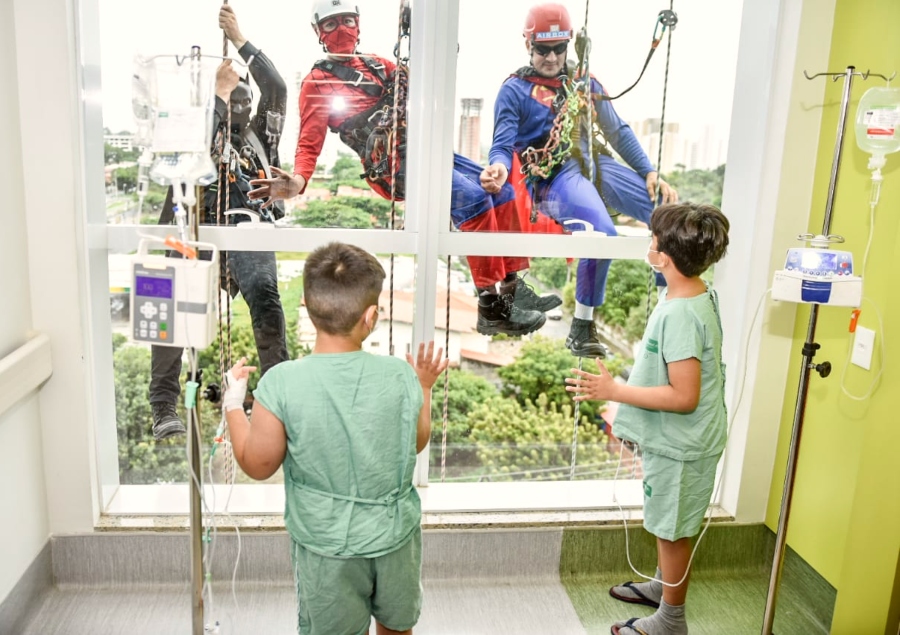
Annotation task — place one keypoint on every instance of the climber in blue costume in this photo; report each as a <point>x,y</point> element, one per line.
<point>524,114</point>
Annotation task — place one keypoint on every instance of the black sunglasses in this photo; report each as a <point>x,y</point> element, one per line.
<point>544,49</point>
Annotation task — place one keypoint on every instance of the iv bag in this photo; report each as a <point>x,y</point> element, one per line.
<point>878,121</point>
<point>173,103</point>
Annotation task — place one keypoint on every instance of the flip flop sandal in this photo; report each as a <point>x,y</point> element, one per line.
<point>640,599</point>
<point>615,629</point>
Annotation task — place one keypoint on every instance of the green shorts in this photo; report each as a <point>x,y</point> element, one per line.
<point>676,494</point>
<point>339,596</point>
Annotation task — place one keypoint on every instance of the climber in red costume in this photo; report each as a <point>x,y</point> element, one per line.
<point>347,93</point>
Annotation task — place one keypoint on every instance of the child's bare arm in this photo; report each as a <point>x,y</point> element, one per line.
<point>681,394</point>
<point>258,448</point>
<point>428,366</point>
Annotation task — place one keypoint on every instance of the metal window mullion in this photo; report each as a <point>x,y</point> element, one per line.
<point>430,156</point>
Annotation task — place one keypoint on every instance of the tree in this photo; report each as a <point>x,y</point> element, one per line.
<point>626,288</point>
<point>550,271</point>
<point>534,442</point>
<point>141,458</point>
<point>699,186</point>
<point>331,214</point>
<point>378,209</point>
<point>541,368</point>
<point>111,154</point>
<point>126,178</point>
<point>347,170</point>
<point>465,392</point>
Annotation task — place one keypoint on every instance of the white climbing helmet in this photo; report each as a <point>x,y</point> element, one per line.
<point>324,9</point>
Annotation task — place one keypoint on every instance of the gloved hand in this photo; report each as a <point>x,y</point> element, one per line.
<point>236,385</point>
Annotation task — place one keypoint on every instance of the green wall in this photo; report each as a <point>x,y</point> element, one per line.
<point>845,517</point>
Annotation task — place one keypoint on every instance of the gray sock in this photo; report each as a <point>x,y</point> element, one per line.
<point>651,589</point>
<point>668,620</point>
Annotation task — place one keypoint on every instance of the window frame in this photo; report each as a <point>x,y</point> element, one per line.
<point>769,33</point>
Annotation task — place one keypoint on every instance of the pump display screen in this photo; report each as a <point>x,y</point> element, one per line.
<point>153,287</point>
<point>819,260</point>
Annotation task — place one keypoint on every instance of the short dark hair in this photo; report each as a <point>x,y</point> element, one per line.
<point>694,236</point>
<point>340,282</point>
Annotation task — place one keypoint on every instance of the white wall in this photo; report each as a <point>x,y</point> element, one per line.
<point>49,124</point>
<point>24,529</point>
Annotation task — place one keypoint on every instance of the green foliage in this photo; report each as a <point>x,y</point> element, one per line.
<point>552,272</point>
<point>141,458</point>
<point>541,368</point>
<point>637,320</point>
<point>698,186</point>
<point>466,392</point>
<point>347,168</point>
<point>626,288</point>
<point>378,209</point>
<point>568,293</point>
<point>534,441</point>
<point>118,155</point>
<point>331,214</point>
<point>126,178</point>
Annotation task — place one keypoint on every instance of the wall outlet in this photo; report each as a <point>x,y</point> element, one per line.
<point>863,347</point>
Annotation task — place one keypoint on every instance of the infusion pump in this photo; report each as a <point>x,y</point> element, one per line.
<point>818,276</point>
<point>174,301</point>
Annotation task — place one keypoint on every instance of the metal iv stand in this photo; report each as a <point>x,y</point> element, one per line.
<point>809,351</point>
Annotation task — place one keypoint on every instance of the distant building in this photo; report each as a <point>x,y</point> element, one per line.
<point>122,141</point>
<point>682,150</point>
<point>469,143</point>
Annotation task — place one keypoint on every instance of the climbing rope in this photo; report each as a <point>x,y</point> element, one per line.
<point>588,123</point>
<point>666,19</point>
<point>225,344</point>
<point>446,409</point>
<point>393,142</point>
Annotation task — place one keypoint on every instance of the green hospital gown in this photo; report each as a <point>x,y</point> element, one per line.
<point>351,421</point>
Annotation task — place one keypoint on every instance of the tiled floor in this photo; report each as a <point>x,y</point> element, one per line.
<point>542,581</point>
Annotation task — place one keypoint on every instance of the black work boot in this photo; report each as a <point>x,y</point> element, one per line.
<point>498,314</point>
<point>166,422</point>
<point>583,340</point>
<point>528,300</point>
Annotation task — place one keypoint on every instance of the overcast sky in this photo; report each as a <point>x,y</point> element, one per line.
<point>701,77</point>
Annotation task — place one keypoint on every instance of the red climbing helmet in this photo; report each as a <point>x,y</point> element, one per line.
<point>548,22</point>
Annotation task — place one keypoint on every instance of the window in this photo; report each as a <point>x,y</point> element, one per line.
<point>493,394</point>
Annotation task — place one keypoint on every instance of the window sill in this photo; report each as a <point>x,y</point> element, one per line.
<point>444,506</point>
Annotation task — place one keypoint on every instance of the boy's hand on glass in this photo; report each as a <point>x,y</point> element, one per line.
<point>236,385</point>
<point>428,364</point>
<point>590,387</point>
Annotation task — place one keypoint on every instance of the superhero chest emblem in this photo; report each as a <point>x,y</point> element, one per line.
<point>543,95</point>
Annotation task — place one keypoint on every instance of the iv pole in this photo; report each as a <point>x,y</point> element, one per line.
<point>193,442</point>
<point>809,350</point>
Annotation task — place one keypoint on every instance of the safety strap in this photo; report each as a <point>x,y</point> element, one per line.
<point>255,143</point>
<point>356,77</point>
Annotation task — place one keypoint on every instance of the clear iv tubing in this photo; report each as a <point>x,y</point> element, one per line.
<point>737,407</point>
<point>873,203</point>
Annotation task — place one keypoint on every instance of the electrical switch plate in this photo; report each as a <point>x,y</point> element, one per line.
<point>863,347</point>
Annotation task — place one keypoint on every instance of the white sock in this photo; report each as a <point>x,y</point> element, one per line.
<point>583,312</point>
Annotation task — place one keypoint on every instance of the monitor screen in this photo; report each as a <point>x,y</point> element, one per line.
<point>153,287</point>
<point>818,260</point>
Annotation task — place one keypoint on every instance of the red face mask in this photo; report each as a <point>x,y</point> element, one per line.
<point>342,40</point>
